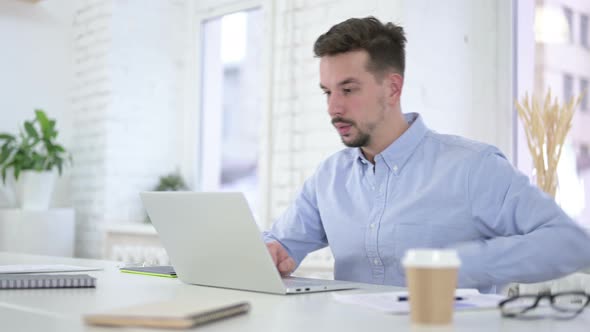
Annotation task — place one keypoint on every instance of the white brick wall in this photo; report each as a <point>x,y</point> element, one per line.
<point>127,96</point>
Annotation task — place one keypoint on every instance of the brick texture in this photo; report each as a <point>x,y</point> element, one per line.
<point>127,93</point>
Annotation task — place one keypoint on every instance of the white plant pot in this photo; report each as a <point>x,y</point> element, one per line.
<point>7,195</point>
<point>34,189</point>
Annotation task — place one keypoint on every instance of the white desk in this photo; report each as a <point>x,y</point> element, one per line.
<point>62,309</point>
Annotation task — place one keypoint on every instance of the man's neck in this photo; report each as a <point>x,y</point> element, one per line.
<point>391,133</point>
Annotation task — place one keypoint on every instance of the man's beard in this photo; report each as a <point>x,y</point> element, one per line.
<point>362,138</point>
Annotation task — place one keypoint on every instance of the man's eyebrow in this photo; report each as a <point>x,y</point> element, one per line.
<point>348,81</point>
<point>343,82</point>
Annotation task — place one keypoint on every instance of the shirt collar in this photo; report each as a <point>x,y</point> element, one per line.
<point>397,153</point>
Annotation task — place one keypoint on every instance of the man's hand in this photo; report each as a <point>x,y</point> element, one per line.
<point>284,263</point>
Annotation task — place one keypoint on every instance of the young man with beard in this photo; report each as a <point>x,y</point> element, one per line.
<point>400,185</point>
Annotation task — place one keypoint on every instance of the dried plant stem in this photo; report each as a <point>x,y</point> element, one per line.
<point>546,126</point>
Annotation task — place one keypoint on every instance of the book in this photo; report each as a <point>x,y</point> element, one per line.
<point>23,268</point>
<point>168,314</point>
<point>21,281</point>
<point>166,271</point>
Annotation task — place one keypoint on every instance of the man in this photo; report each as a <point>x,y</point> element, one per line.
<point>400,185</point>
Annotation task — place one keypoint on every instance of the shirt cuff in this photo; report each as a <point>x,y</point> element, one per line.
<point>472,273</point>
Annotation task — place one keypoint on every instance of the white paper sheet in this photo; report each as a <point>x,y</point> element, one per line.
<point>22,268</point>
<point>389,302</point>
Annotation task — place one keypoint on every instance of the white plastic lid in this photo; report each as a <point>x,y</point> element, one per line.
<point>437,258</point>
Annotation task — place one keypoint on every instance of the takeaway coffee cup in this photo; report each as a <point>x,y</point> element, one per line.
<point>431,276</point>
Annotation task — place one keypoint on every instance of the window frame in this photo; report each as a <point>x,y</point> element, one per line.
<point>568,12</point>
<point>584,85</point>
<point>584,42</point>
<point>191,122</point>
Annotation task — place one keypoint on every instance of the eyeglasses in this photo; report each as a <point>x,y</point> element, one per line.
<point>565,305</point>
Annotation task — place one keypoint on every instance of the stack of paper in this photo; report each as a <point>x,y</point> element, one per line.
<point>470,299</point>
<point>23,268</point>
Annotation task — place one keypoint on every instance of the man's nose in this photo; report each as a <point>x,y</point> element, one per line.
<point>335,106</point>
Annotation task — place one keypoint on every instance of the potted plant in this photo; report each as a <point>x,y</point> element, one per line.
<point>32,158</point>
<point>171,182</point>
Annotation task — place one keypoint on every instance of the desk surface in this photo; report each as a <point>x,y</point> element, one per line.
<point>62,309</point>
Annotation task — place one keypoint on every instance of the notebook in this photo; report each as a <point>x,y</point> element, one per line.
<point>166,271</point>
<point>36,268</point>
<point>168,314</point>
<point>21,281</point>
<point>213,240</point>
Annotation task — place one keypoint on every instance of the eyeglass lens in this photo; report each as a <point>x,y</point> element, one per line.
<point>570,302</point>
<point>565,305</point>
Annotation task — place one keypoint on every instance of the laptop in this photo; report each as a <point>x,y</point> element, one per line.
<point>213,240</point>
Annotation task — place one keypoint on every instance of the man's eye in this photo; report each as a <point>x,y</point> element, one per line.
<point>346,91</point>
<point>327,93</point>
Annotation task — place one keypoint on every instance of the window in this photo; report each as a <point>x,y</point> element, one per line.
<point>584,31</point>
<point>584,91</point>
<point>569,16</point>
<point>561,68</point>
<point>231,104</point>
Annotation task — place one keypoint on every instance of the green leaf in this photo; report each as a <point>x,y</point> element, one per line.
<point>4,155</point>
<point>38,162</point>
<point>4,174</point>
<point>6,146</point>
<point>42,118</point>
<point>46,124</point>
<point>7,137</point>
<point>59,148</point>
<point>31,131</point>
<point>50,132</point>
<point>16,171</point>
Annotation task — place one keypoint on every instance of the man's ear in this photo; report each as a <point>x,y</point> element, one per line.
<point>394,86</point>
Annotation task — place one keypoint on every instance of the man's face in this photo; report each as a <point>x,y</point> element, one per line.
<point>356,101</point>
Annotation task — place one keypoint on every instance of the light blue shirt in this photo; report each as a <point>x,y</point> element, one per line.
<point>428,190</point>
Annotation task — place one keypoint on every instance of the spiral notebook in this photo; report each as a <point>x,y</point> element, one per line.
<point>169,314</point>
<point>27,281</point>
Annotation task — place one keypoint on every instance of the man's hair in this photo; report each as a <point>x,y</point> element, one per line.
<point>385,43</point>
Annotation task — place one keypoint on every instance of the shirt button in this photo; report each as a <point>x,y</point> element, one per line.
<point>376,261</point>
<point>372,225</point>
<point>395,168</point>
